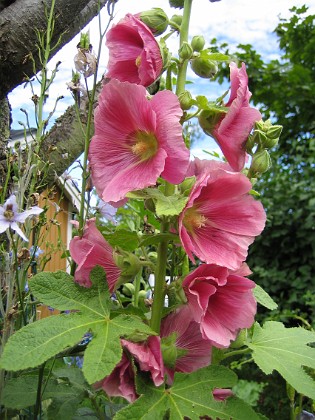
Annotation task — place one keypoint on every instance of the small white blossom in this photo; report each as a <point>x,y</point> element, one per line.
<point>10,217</point>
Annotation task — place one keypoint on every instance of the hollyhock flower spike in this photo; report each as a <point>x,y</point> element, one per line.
<point>220,301</point>
<point>134,54</point>
<point>136,140</point>
<point>10,216</point>
<point>90,250</point>
<point>232,129</point>
<point>221,219</point>
<point>184,349</point>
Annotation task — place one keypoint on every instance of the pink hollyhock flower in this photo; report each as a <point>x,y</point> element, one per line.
<point>134,54</point>
<point>234,127</point>
<point>90,250</point>
<point>199,167</point>
<point>184,349</point>
<point>220,219</point>
<point>121,382</point>
<point>149,357</point>
<point>10,216</point>
<point>136,140</point>
<point>221,301</point>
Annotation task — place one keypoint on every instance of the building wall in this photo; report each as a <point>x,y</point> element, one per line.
<point>55,235</point>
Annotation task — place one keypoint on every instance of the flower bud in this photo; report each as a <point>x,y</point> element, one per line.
<point>129,265</point>
<point>128,289</point>
<point>84,41</point>
<point>156,19</point>
<point>269,142</point>
<point>176,21</point>
<point>204,67</point>
<point>274,132</point>
<point>240,340</point>
<point>197,43</point>
<point>185,52</point>
<point>185,100</point>
<point>250,143</point>
<point>261,162</point>
<point>209,118</point>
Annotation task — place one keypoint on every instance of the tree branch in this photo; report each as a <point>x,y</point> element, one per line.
<point>18,38</point>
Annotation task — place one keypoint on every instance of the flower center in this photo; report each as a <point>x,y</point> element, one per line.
<point>145,145</point>
<point>9,213</point>
<point>194,220</point>
<point>138,61</point>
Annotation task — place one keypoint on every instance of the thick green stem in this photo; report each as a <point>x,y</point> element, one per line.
<point>159,285</point>
<point>184,31</point>
<point>137,284</point>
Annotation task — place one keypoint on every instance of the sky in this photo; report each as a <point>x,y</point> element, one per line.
<point>232,21</point>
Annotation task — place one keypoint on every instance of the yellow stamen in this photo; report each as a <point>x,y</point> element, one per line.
<point>138,61</point>
<point>144,145</point>
<point>194,220</point>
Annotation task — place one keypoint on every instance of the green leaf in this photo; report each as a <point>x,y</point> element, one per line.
<point>190,397</point>
<point>41,340</point>
<point>123,238</point>
<point>285,350</point>
<point>167,205</point>
<point>264,299</point>
<point>21,392</point>
<point>157,238</point>
<point>214,56</point>
<point>59,291</point>
<point>64,408</point>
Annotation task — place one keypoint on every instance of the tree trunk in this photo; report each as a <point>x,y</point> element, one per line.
<point>19,18</point>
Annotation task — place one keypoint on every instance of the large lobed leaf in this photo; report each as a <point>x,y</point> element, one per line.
<point>285,350</point>
<point>41,340</point>
<point>190,397</point>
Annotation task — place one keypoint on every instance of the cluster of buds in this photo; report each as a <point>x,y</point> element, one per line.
<point>264,137</point>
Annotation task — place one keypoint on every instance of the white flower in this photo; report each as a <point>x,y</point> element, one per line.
<point>10,217</point>
<point>107,211</point>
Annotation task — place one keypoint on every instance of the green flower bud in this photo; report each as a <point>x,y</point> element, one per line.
<point>260,125</point>
<point>142,294</point>
<point>261,162</point>
<point>165,53</point>
<point>169,350</point>
<point>290,392</point>
<point>204,67</point>
<point>185,52</point>
<point>129,265</point>
<point>269,142</point>
<point>209,118</point>
<point>274,132</point>
<point>261,137</point>
<point>185,100</point>
<point>197,43</point>
<point>240,340</point>
<point>128,289</point>
<point>156,19</point>
<point>176,21</point>
<point>84,41</point>
<point>250,143</point>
